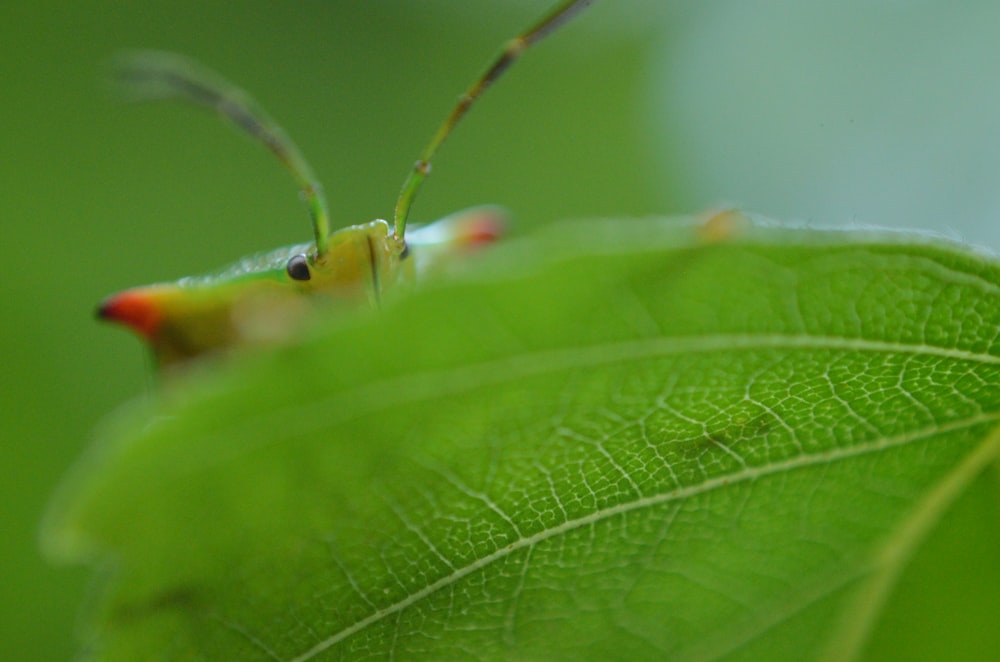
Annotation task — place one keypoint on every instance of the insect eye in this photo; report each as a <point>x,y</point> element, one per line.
<point>298,268</point>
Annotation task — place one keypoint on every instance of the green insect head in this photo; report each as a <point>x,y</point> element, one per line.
<point>259,298</point>
<point>264,298</point>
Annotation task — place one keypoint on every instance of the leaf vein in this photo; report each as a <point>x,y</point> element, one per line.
<point>749,474</point>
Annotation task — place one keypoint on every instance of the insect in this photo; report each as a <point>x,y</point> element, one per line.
<point>265,297</point>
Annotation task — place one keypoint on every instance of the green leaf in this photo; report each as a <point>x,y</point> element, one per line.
<point>615,439</point>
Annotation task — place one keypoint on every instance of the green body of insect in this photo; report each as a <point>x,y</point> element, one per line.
<point>265,297</point>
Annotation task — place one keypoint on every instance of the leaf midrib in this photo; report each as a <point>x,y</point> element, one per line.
<point>305,419</point>
<point>744,475</point>
<point>882,566</point>
<point>890,558</point>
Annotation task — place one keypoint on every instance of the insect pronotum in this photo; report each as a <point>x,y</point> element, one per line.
<point>265,296</point>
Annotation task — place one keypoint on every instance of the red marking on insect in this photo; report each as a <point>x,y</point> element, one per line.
<point>136,309</point>
<point>482,231</point>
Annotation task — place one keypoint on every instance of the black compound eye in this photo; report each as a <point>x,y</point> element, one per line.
<point>298,268</point>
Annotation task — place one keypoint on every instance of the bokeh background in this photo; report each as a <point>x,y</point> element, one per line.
<point>832,113</point>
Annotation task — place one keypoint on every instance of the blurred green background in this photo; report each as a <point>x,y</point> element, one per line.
<point>827,112</point>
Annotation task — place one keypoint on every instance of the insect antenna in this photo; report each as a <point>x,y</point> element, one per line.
<point>511,51</point>
<point>154,75</point>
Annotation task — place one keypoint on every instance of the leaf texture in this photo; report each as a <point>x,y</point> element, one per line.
<point>613,440</point>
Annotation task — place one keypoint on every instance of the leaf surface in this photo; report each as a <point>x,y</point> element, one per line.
<point>611,440</point>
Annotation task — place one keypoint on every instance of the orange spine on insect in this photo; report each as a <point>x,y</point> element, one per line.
<point>266,297</point>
